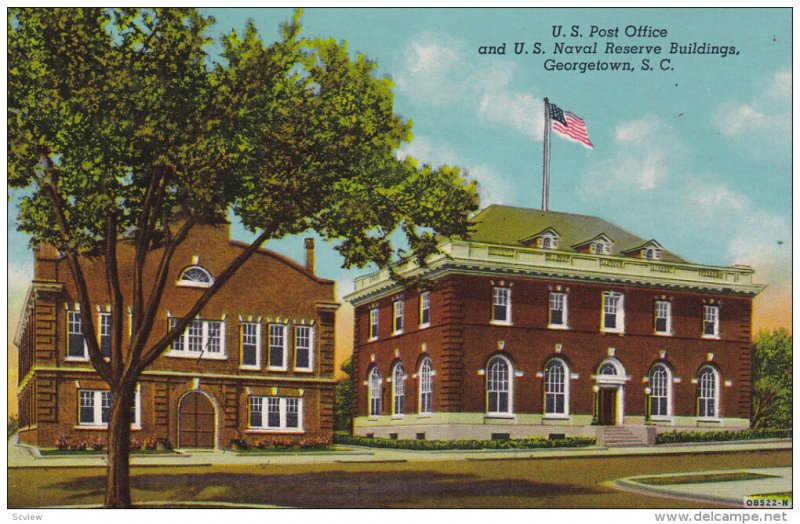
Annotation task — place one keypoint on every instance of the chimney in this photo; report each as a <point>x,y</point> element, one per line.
<point>310,258</point>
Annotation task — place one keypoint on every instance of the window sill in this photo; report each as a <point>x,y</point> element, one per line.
<point>251,368</point>
<point>91,427</point>
<point>501,323</point>
<point>660,419</point>
<point>712,420</point>
<point>613,331</point>
<point>77,359</point>
<point>557,326</point>
<point>196,356</point>
<point>187,283</point>
<point>304,370</point>
<point>507,416</point>
<point>272,368</point>
<point>293,431</point>
<point>663,333</point>
<point>372,339</point>
<point>395,333</point>
<point>425,326</point>
<point>710,337</point>
<point>556,416</point>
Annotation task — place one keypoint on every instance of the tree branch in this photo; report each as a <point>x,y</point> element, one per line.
<point>149,357</point>
<point>115,292</point>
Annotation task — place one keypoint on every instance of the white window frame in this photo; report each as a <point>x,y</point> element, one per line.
<point>564,310</point>
<point>298,329</point>
<point>266,401</point>
<point>71,323</point>
<point>374,393</point>
<point>374,323</point>
<point>104,330</point>
<point>508,380</point>
<point>424,305</point>
<point>711,311</point>
<point>257,336</point>
<point>284,347</point>
<point>97,396</point>
<point>551,389</point>
<point>619,312</point>
<point>425,376</point>
<point>205,336</point>
<point>194,283</point>
<point>667,312</point>
<point>398,316</point>
<point>398,390</point>
<point>501,296</point>
<point>702,393</point>
<point>655,391</point>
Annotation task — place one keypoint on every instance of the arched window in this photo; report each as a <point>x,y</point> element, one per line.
<point>556,388</point>
<point>707,393</point>
<point>195,276</point>
<point>546,242</point>
<point>425,387</point>
<point>608,369</point>
<point>660,392</point>
<point>498,386</point>
<point>398,389</point>
<point>374,392</point>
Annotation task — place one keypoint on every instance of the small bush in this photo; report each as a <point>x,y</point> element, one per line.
<point>98,443</point>
<point>165,444</point>
<point>434,445</point>
<point>150,444</point>
<point>63,441</point>
<point>135,445</point>
<point>240,443</point>
<point>79,445</point>
<point>673,437</point>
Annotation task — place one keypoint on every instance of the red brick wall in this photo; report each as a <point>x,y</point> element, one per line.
<point>461,339</point>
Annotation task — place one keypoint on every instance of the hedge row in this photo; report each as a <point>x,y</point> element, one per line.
<point>673,437</point>
<point>522,443</point>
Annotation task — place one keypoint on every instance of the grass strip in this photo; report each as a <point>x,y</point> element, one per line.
<point>702,478</point>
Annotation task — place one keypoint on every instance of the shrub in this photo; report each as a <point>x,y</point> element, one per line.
<point>98,443</point>
<point>63,441</point>
<point>673,437</point>
<point>240,443</point>
<point>135,445</point>
<point>79,445</point>
<point>150,444</point>
<point>165,444</point>
<point>433,445</point>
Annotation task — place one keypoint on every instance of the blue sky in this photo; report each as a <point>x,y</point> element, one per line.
<point>698,158</point>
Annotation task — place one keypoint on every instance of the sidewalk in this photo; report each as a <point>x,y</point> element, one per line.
<point>727,493</point>
<point>23,456</point>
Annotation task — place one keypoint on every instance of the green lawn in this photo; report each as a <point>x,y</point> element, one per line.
<point>53,452</point>
<point>700,479</point>
<point>517,483</point>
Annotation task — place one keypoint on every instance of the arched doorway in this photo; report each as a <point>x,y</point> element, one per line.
<point>609,392</point>
<point>196,428</point>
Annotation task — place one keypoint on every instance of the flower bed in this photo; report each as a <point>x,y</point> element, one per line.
<point>421,445</point>
<point>673,437</point>
<point>277,444</point>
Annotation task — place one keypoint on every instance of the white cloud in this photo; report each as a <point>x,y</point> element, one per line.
<point>435,73</point>
<point>766,119</point>
<point>493,186</point>
<point>643,148</point>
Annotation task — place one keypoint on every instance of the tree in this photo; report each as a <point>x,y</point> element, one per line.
<point>121,126</point>
<point>772,380</point>
<point>343,417</point>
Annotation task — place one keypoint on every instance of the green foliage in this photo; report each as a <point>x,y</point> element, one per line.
<point>772,380</point>
<point>673,437</point>
<point>422,445</point>
<point>13,425</point>
<point>345,393</point>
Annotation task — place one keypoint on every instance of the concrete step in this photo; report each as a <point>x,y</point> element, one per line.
<point>619,437</point>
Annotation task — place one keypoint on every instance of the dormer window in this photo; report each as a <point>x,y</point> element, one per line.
<point>650,250</point>
<point>599,248</point>
<point>599,245</point>
<point>547,239</point>
<point>195,276</point>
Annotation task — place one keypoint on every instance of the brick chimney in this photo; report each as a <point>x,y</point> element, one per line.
<point>310,257</point>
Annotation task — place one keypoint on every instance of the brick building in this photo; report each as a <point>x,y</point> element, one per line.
<point>547,323</point>
<point>257,363</point>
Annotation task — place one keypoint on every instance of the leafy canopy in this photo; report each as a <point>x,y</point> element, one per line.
<point>290,136</point>
<point>772,380</point>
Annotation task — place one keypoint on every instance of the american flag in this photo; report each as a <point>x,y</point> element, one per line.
<point>569,126</point>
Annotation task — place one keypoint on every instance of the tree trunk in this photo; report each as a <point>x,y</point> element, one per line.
<point>118,488</point>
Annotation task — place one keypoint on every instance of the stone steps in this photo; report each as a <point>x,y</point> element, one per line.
<point>620,437</point>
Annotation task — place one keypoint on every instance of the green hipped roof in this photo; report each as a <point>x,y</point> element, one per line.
<point>508,225</point>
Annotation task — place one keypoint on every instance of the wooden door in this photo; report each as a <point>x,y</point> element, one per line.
<point>608,406</point>
<point>196,422</point>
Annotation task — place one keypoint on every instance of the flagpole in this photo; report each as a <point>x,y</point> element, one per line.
<point>546,174</point>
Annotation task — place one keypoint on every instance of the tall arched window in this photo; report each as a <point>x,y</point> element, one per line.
<point>708,392</point>
<point>498,386</point>
<point>398,389</point>
<point>425,386</point>
<point>556,388</point>
<point>374,392</point>
<point>660,392</point>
